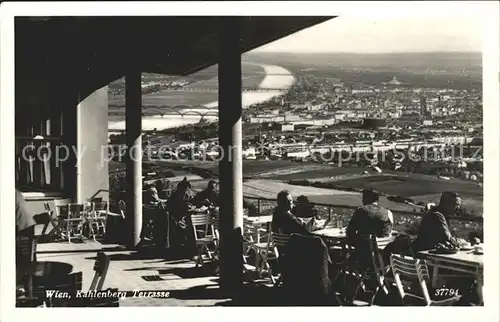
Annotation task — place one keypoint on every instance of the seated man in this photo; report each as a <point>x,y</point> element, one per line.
<point>434,227</point>
<point>283,220</point>
<point>371,219</point>
<point>207,197</point>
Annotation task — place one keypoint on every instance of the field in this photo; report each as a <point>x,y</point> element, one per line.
<point>252,76</point>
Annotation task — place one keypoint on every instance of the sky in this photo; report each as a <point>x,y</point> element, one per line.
<point>420,28</point>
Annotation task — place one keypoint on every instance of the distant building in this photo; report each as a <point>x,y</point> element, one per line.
<point>424,111</point>
<point>394,83</point>
<point>373,123</point>
<point>287,127</point>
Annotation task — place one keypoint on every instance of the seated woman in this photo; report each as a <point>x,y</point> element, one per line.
<point>303,209</point>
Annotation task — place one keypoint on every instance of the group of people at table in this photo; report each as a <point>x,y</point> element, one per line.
<point>174,232</point>
<point>288,218</point>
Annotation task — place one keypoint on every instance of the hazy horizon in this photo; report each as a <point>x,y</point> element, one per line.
<point>397,27</point>
<point>364,53</point>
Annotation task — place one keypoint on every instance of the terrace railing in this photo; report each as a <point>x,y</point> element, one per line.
<point>404,221</point>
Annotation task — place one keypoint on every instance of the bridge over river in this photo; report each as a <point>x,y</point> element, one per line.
<point>215,90</point>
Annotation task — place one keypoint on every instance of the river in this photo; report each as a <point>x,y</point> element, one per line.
<point>276,77</point>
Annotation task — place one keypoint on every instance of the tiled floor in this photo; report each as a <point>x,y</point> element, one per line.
<point>128,271</point>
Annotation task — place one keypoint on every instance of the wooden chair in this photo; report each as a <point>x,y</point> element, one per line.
<point>416,273</point>
<point>204,235</point>
<point>101,270</point>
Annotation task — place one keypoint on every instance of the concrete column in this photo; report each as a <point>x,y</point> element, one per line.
<point>133,126</point>
<point>231,165</point>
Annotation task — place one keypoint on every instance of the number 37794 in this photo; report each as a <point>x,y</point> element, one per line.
<point>446,292</point>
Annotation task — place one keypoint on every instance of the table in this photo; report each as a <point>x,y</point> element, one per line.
<point>36,275</point>
<point>464,261</point>
<point>340,234</point>
<point>331,233</point>
<point>259,220</point>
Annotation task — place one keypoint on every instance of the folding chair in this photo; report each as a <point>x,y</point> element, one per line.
<point>269,251</point>
<point>101,270</point>
<point>415,272</point>
<point>57,212</point>
<point>73,221</point>
<point>280,241</point>
<point>203,237</point>
<point>365,271</point>
<point>50,216</point>
<point>97,219</point>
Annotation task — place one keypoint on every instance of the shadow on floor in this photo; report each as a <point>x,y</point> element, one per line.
<point>251,295</point>
<point>188,272</point>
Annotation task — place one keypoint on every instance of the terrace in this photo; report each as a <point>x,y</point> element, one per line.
<point>199,286</point>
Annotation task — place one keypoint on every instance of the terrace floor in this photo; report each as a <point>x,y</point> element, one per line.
<point>131,270</point>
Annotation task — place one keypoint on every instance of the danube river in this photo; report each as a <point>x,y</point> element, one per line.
<point>276,78</point>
